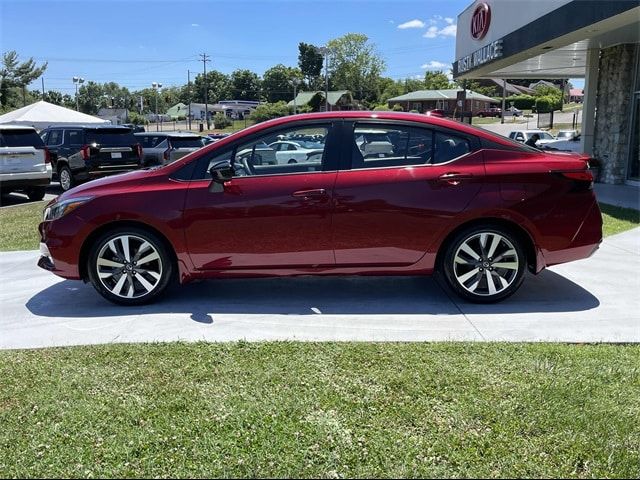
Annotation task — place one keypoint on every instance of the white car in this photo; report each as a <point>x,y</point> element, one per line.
<point>571,144</point>
<point>25,165</point>
<point>524,135</point>
<point>373,143</point>
<point>297,152</point>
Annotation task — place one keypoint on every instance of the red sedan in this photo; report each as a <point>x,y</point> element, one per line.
<point>385,194</point>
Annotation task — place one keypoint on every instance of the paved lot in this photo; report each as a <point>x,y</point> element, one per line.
<point>587,301</point>
<point>53,190</point>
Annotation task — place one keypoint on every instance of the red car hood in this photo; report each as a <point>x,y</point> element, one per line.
<point>95,187</point>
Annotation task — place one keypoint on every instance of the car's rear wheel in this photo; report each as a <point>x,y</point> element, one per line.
<point>130,266</point>
<point>292,160</point>
<point>36,193</point>
<point>484,264</point>
<point>66,178</point>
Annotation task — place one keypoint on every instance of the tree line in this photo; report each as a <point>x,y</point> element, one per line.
<point>354,65</point>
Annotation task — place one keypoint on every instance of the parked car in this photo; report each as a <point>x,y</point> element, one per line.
<point>512,111</point>
<point>571,144</point>
<point>567,134</point>
<point>134,128</point>
<point>161,148</point>
<point>373,142</point>
<point>25,163</point>
<point>435,112</point>
<point>524,135</point>
<point>297,152</point>
<point>80,153</point>
<point>218,136</point>
<point>259,154</point>
<point>448,198</point>
<point>490,112</point>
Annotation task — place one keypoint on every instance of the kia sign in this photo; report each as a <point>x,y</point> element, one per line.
<point>480,21</point>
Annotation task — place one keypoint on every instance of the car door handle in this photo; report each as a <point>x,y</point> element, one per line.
<point>454,178</point>
<point>308,194</point>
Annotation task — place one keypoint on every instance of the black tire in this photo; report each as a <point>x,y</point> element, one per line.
<point>36,194</point>
<point>65,177</point>
<point>476,280</point>
<point>163,267</point>
<point>292,160</point>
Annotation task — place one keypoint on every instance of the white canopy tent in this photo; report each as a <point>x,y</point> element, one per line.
<point>44,114</point>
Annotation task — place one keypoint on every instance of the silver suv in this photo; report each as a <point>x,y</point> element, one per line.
<point>161,148</point>
<point>25,165</point>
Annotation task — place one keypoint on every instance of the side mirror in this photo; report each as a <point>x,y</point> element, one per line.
<point>221,173</point>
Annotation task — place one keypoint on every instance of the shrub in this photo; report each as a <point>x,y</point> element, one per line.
<point>547,104</point>
<point>398,108</point>
<point>522,102</point>
<point>267,111</point>
<point>220,120</point>
<point>382,107</point>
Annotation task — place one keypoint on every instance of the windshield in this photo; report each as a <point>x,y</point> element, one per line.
<point>565,135</point>
<point>186,142</point>
<point>115,137</point>
<point>545,136</point>
<point>21,138</point>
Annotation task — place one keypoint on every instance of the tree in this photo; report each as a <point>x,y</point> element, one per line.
<point>219,88</point>
<point>310,64</point>
<point>276,82</point>
<point>14,78</point>
<point>436,80</point>
<point>267,111</point>
<point>355,66</point>
<point>245,85</point>
<point>54,97</point>
<point>90,97</point>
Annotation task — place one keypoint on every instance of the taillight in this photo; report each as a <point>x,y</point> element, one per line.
<point>47,156</point>
<point>580,175</point>
<point>85,152</point>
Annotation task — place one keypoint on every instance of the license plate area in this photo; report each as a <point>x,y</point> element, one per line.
<point>116,155</point>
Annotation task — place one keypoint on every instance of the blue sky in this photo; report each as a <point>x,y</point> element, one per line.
<point>137,42</point>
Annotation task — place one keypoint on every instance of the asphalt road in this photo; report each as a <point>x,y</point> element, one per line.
<point>592,300</point>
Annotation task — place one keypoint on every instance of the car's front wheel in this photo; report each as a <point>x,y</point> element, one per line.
<point>130,266</point>
<point>484,264</point>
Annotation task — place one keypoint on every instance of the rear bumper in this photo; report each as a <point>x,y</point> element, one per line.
<point>584,243</point>
<point>90,174</point>
<point>25,179</point>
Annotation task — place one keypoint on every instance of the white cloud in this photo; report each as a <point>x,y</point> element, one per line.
<point>449,20</point>
<point>411,24</point>
<point>434,65</point>
<point>195,24</point>
<point>392,22</point>
<point>432,32</point>
<point>448,31</point>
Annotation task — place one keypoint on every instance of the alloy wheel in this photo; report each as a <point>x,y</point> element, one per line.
<point>486,264</point>
<point>65,179</point>
<point>129,266</point>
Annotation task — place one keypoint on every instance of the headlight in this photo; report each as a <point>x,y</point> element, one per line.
<point>57,210</point>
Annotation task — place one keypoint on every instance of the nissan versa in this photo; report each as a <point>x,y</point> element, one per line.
<point>388,194</point>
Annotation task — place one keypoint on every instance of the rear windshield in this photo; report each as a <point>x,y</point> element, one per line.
<point>20,138</point>
<point>186,142</point>
<point>119,137</point>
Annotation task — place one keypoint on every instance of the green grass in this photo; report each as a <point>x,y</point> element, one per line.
<point>19,226</point>
<point>618,219</point>
<point>321,410</point>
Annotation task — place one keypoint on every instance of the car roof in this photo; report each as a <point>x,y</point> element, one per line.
<point>9,126</point>
<point>166,134</point>
<point>90,127</point>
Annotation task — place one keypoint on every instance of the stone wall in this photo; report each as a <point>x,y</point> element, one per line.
<point>613,111</point>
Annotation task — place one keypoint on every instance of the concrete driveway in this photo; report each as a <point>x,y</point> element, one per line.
<point>591,300</point>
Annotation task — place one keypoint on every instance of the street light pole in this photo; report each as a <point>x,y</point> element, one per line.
<point>76,81</point>
<point>295,82</point>
<point>156,86</point>
<point>325,51</point>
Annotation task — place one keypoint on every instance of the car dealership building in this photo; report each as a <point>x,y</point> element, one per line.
<point>598,40</point>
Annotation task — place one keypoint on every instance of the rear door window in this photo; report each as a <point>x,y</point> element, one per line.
<point>55,138</point>
<point>186,142</point>
<point>73,138</point>
<point>20,138</point>
<point>111,137</point>
<point>375,145</point>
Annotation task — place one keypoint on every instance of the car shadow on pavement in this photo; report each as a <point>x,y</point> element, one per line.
<point>547,292</point>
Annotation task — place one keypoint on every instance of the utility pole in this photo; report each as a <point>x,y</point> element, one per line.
<point>189,93</point>
<point>205,59</point>
<point>295,82</point>
<point>42,87</point>
<point>504,99</point>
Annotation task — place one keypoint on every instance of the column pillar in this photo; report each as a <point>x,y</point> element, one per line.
<point>589,101</point>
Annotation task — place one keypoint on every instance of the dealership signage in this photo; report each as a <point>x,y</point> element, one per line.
<point>480,21</point>
<point>481,56</point>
